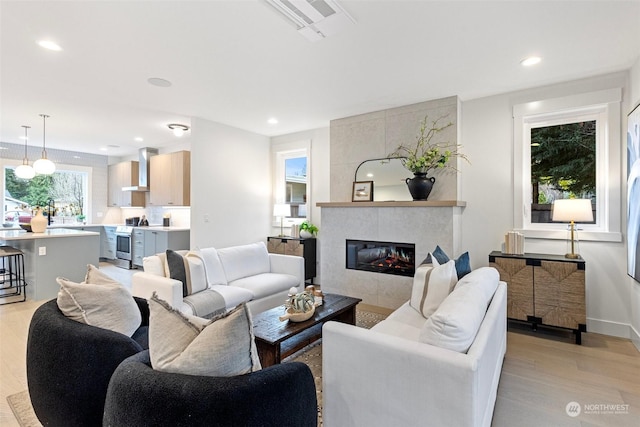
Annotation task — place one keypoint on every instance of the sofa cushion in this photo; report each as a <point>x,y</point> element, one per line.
<point>213,267</point>
<point>102,302</point>
<point>262,285</point>
<point>153,265</point>
<point>455,323</point>
<point>244,261</point>
<point>205,304</point>
<point>221,347</point>
<point>431,285</point>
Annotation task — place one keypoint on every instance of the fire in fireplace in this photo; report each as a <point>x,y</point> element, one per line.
<point>381,257</point>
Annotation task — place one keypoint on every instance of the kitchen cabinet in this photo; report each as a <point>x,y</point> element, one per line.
<point>170,179</point>
<point>124,174</point>
<point>547,290</point>
<point>108,242</point>
<point>298,246</point>
<point>153,241</point>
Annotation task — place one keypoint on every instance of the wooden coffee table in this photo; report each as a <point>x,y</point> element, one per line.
<point>276,340</point>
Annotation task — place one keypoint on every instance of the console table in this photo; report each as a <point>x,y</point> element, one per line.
<point>305,248</point>
<point>547,290</point>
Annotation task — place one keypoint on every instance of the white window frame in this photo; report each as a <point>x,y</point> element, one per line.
<point>282,152</point>
<point>602,106</point>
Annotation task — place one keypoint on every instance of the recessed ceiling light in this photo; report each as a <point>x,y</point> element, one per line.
<point>103,148</point>
<point>139,139</point>
<point>48,44</point>
<point>157,81</point>
<point>532,60</point>
<point>272,121</point>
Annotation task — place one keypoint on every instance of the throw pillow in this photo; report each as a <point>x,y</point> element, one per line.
<point>455,323</point>
<point>221,347</point>
<point>438,256</point>
<point>105,304</point>
<point>431,285</point>
<point>177,269</point>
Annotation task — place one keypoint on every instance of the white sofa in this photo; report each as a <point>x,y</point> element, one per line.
<point>246,273</point>
<point>388,375</point>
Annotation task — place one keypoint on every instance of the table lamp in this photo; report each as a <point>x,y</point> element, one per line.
<point>282,210</point>
<point>572,210</point>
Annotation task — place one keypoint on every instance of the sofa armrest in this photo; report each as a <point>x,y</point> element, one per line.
<point>288,264</point>
<point>144,284</point>
<point>360,389</point>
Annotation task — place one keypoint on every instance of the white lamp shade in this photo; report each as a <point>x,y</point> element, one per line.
<point>25,172</point>
<point>282,209</point>
<point>577,210</point>
<point>44,166</point>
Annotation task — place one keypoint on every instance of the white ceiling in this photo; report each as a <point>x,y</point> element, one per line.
<point>240,63</point>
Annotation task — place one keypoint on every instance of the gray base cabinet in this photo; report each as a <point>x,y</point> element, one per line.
<point>148,242</point>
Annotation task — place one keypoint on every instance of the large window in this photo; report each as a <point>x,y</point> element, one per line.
<point>568,148</point>
<point>64,194</point>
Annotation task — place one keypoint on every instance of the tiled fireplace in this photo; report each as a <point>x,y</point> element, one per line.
<point>381,257</point>
<point>425,224</point>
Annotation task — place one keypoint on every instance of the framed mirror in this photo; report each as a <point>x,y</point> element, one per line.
<point>389,179</point>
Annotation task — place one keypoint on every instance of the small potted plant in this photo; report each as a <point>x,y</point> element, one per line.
<point>308,230</point>
<point>300,307</point>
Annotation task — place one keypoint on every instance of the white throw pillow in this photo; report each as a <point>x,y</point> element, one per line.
<point>221,347</point>
<point>213,266</point>
<point>196,273</point>
<point>153,265</point>
<point>455,323</point>
<point>102,302</point>
<point>244,261</point>
<point>431,285</point>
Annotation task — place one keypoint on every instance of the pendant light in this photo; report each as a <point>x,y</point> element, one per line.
<point>25,171</point>
<point>44,166</point>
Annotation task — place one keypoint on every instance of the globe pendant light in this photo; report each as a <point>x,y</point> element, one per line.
<point>25,171</point>
<point>44,166</point>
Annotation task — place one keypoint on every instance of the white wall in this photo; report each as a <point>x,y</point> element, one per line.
<point>230,185</point>
<point>635,286</point>
<point>487,138</point>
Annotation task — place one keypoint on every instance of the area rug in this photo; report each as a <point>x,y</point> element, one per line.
<point>20,403</point>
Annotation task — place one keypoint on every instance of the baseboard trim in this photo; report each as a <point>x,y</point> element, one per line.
<point>635,337</point>
<point>606,327</point>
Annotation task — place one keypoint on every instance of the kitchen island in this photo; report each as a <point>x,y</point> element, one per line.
<point>55,252</point>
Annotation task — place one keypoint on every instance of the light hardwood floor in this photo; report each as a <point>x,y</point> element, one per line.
<point>541,375</point>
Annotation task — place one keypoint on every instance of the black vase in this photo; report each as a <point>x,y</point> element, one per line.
<point>420,186</point>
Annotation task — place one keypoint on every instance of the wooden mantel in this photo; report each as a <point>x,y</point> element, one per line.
<point>394,204</point>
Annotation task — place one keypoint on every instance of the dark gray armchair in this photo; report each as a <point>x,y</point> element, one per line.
<point>280,396</point>
<point>69,365</point>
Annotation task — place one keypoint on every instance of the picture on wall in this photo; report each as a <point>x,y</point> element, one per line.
<point>633,194</point>
<point>362,191</point>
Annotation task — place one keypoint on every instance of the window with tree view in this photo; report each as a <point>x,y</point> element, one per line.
<point>296,185</point>
<point>563,165</point>
<point>62,194</point>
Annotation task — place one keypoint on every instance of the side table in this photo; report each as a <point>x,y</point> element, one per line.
<point>299,246</point>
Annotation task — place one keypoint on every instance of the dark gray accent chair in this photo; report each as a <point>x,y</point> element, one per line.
<point>69,365</point>
<point>280,396</point>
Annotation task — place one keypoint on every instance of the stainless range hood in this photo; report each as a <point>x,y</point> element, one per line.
<point>144,155</point>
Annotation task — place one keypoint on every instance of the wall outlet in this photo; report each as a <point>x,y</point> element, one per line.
<point>42,250</point>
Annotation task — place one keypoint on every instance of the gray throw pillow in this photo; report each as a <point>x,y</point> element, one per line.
<point>101,302</point>
<point>221,347</point>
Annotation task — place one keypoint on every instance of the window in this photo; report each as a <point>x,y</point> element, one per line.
<point>291,180</point>
<point>64,192</point>
<point>568,148</point>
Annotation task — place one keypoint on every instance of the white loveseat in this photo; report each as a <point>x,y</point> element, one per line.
<point>228,276</point>
<point>388,375</point>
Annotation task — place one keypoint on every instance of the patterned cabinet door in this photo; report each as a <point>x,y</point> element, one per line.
<point>519,278</point>
<point>276,246</point>
<point>294,247</point>
<point>560,295</point>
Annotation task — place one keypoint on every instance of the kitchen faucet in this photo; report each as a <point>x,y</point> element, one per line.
<point>52,204</point>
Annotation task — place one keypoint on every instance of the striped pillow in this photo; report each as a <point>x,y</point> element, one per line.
<point>431,285</point>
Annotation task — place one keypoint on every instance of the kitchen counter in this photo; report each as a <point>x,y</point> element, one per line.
<point>56,252</point>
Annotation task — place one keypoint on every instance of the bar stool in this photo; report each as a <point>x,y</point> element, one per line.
<point>12,279</point>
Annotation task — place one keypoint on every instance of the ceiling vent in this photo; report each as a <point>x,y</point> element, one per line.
<point>314,19</point>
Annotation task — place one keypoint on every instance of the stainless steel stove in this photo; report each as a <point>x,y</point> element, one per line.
<point>124,246</point>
